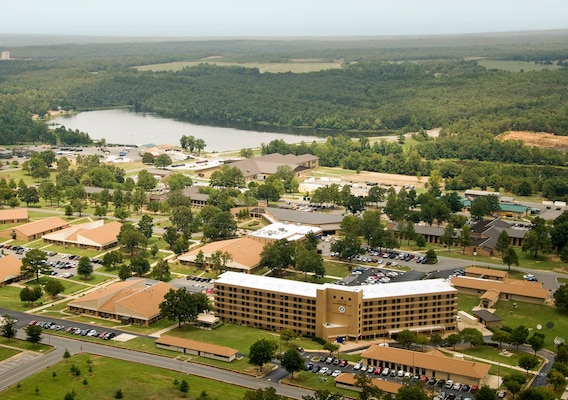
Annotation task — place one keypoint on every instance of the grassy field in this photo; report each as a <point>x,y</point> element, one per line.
<point>294,67</point>
<point>515,66</point>
<point>533,315</point>
<point>108,375</point>
<point>6,352</point>
<point>24,345</point>
<point>69,285</point>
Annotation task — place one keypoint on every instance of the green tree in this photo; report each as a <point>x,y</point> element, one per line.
<point>147,158</point>
<point>121,213</point>
<point>519,336</point>
<point>182,306</point>
<point>448,237</point>
<point>509,256</point>
<point>538,393</point>
<point>269,393</point>
<point>465,237</point>
<point>538,238</point>
<point>262,351</point>
<point>292,361</point>
<point>8,327</point>
<point>406,338</point>
<point>556,378</point>
<point>124,272</point>
<point>112,259</point>
<point>139,265</point>
<point>500,336</point>
<point>178,181</point>
<point>485,393</point>
<point>161,270</point>
<point>431,257</point>
<point>411,392</point>
<point>347,247</point>
<point>323,394</point>
<point>368,389</point>
<point>184,388</point>
<point>29,195</point>
<point>308,261</point>
<point>287,334</point>
<point>146,180</point>
<point>146,225</point>
<point>34,263</point>
<point>227,177</point>
<point>514,382</point>
<point>331,347</point>
<point>561,298</point>
<point>471,336</point>
<point>162,161</point>
<point>182,220</point>
<point>503,241</point>
<point>536,341</point>
<point>131,239</point>
<point>118,394</point>
<point>53,287</point>
<point>420,241</point>
<point>33,334</point>
<point>85,267</point>
<point>277,255</point>
<point>30,295</point>
<point>528,362</point>
<point>454,339</point>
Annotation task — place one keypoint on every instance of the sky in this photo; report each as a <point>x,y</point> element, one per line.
<point>278,18</point>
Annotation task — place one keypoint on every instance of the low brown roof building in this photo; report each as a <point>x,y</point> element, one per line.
<point>91,235</point>
<point>14,216</point>
<point>508,289</point>
<point>486,273</point>
<point>245,253</point>
<point>433,363</point>
<point>130,302</point>
<point>10,269</point>
<point>194,347</point>
<point>348,381</point>
<point>35,230</point>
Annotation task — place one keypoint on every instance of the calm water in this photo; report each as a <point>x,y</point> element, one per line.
<point>127,127</point>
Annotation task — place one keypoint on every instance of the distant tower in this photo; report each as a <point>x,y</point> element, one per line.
<point>5,55</point>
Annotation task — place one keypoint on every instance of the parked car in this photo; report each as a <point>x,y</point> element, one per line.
<point>336,373</point>
<point>323,370</point>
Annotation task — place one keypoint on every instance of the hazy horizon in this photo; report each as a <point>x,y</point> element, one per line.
<point>226,19</point>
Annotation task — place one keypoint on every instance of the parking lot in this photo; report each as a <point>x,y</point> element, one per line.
<point>331,367</point>
<point>103,333</point>
<point>61,264</point>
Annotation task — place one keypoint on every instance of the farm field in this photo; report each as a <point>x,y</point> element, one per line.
<point>294,67</point>
<point>515,66</point>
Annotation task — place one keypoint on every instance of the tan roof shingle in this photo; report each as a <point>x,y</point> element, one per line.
<point>196,345</point>
<point>433,359</point>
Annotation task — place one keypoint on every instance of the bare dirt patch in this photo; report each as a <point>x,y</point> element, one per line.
<point>537,139</point>
<point>386,179</point>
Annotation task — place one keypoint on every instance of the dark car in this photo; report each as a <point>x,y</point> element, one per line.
<point>441,383</point>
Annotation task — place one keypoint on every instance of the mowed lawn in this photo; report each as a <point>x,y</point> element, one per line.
<point>136,381</point>
<point>536,317</point>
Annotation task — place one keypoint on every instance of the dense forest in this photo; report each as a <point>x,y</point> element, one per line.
<point>409,87</point>
<point>386,85</point>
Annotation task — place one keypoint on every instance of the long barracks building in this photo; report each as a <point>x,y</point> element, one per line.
<point>332,311</point>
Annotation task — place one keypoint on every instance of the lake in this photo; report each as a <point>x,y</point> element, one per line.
<point>127,127</point>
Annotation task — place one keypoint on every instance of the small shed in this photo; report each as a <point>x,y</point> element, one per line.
<point>194,347</point>
<point>488,319</point>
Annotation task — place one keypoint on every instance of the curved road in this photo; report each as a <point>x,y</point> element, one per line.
<point>25,369</point>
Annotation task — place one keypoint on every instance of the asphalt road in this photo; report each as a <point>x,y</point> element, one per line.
<point>22,370</point>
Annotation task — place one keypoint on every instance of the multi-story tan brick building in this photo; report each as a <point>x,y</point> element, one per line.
<point>332,311</point>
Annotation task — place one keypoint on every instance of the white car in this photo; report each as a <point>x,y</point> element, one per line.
<point>336,373</point>
<point>323,370</point>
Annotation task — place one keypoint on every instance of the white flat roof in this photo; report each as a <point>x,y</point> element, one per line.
<point>310,289</point>
<point>268,283</point>
<point>283,230</point>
